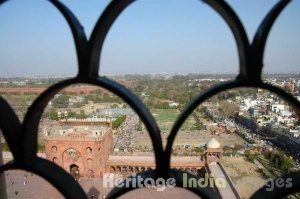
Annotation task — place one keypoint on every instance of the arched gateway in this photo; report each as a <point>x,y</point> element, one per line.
<point>78,149</point>
<point>74,171</point>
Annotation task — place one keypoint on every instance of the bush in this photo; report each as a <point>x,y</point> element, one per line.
<point>250,157</point>
<point>117,122</point>
<point>53,115</point>
<point>139,126</point>
<point>5,147</point>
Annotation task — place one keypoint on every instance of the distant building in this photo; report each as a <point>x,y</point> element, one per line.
<point>173,104</point>
<point>294,133</point>
<point>276,108</point>
<point>19,83</point>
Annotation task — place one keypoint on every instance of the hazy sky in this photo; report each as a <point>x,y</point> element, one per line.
<point>151,36</point>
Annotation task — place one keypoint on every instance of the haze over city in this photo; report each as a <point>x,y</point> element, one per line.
<point>149,37</point>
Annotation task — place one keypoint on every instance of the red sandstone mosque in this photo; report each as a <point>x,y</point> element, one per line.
<point>84,148</point>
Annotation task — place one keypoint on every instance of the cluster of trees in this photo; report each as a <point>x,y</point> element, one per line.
<point>54,115</point>
<point>280,160</point>
<point>227,109</point>
<point>62,101</point>
<point>232,94</point>
<point>206,114</point>
<point>117,122</point>
<point>198,124</point>
<point>250,156</point>
<point>174,89</point>
<point>157,104</point>
<point>78,104</point>
<point>181,90</point>
<point>105,98</point>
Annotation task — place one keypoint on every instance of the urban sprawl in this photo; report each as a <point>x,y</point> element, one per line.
<point>258,131</point>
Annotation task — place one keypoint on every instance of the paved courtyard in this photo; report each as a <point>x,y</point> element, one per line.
<point>25,185</point>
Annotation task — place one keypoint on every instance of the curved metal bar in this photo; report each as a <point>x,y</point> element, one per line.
<point>189,109</point>
<point>54,174</point>
<point>144,114</point>
<point>79,36</point>
<point>238,31</point>
<point>294,103</point>
<point>282,191</point>
<point>11,129</point>
<point>3,1</point>
<point>7,166</point>
<point>57,177</point>
<point>107,18</point>
<point>22,140</point>
<point>34,113</point>
<point>259,41</point>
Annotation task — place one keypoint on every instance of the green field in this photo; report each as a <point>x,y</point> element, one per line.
<point>165,119</point>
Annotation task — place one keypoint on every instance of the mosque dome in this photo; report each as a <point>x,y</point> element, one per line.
<point>213,144</point>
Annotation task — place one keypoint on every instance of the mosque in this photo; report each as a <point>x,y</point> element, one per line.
<point>83,147</point>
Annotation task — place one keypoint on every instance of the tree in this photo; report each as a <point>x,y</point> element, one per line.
<point>71,114</point>
<point>114,106</point>
<point>227,109</point>
<point>78,104</point>
<point>202,109</point>
<point>81,115</point>
<point>117,122</point>
<point>199,125</point>
<point>281,161</point>
<point>61,101</point>
<point>139,126</point>
<point>250,156</point>
<point>53,115</point>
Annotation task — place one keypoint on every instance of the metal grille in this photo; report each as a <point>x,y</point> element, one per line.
<point>22,137</point>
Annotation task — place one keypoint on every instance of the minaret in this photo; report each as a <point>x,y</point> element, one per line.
<point>213,151</point>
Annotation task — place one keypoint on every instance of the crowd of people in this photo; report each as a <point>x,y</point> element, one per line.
<point>123,139</point>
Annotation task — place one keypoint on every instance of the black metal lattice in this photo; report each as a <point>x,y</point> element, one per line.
<point>22,137</point>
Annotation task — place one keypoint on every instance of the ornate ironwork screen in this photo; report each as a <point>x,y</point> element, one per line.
<point>22,137</point>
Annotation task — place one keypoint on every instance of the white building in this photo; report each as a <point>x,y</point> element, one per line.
<point>278,108</point>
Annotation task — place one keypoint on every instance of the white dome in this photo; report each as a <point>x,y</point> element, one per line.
<point>213,144</point>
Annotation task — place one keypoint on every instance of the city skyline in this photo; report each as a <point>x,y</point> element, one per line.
<point>149,37</point>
